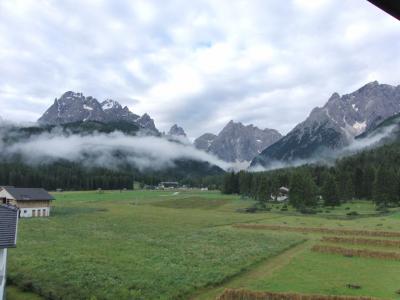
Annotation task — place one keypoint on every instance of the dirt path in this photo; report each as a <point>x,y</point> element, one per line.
<point>264,270</point>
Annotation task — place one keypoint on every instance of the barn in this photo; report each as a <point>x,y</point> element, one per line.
<point>32,202</point>
<point>8,239</point>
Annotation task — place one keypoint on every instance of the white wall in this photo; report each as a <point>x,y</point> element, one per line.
<point>3,260</point>
<point>28,212</point>
<point>5,194</point>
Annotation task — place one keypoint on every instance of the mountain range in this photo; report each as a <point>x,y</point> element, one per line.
<point>329,128</point>
<point>335,125</point>
<point>235,142</point>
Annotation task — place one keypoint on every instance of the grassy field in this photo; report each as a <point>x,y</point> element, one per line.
<point>185,245</point>
<point>137,245</point>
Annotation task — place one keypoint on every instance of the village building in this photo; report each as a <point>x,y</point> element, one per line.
<point>32,202</point>
<point>168,185</point>
<point>8,239</point>
<point>282,195</point>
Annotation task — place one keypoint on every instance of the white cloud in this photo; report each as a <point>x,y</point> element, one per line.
<point>195,63</point>
<point>144,152</point>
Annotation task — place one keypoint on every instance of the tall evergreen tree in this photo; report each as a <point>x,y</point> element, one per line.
<point>302,191</point>
<point>358,182</point>
<point>368,182</point>
<point>262,193</point>
<point>385,186</point>
<point>330,191</point>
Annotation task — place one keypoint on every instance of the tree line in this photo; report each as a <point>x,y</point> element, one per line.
<point>68,175</point>
<point>372,175</point>
<point>63,175</point>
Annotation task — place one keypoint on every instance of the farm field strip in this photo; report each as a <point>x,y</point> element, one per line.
<point>361,241</point>
<point>356,252</point>
<point>321,230</point>
<point>242,294</point>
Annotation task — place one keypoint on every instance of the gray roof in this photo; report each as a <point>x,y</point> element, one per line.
<point>8,226</point>
<point>21,194</point>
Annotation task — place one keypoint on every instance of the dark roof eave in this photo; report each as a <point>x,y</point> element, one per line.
<point>35,199</point>
<point>391,7</point>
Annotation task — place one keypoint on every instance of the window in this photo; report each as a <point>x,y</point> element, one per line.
<point>25,211</point>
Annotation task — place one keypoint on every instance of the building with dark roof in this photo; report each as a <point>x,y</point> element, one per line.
<point>168,185</point>
<point>32,202</point>
<point>8,239</point>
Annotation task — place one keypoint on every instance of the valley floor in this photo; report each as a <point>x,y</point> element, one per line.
<point>194,244</point>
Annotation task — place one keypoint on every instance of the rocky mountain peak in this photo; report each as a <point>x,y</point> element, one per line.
<point>72,107</point>
<point>370,85</point>
<point>147,122</point>
<point>335,97</point>
<point>176,130</point>
<point>237,142</point>
<point>75,107</point>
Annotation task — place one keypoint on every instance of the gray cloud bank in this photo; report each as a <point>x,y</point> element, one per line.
<point>100,149</point>
<point>110,150</point>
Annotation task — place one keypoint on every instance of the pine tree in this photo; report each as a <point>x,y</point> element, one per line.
<point>345,186</point>
<point>245,179</point>
<point>358,183</point>
<point>330,191</point>
<point>385,187</point>
<point>262,193</point>
<point>302,191</point>
<point>368,182</point>
<point>230,183</point>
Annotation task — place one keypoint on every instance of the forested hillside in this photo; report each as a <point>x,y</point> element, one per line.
<point>76,176</point>
<point>106,167</point>
<point>372,174</point>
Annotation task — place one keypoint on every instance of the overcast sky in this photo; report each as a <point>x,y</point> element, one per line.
<point>195,63</point>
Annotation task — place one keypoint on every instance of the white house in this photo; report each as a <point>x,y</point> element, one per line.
<point>168,185</point>
<point>32,202</point>
<point>8,239</point>
<point>282,195</point>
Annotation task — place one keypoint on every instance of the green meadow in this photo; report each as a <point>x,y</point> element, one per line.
<point>182,245</point>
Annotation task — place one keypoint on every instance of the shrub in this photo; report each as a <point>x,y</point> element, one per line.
<point>308,211</point>
<point>353,286</point>
<point>251,209</point>
<point>352,213</point>
<point>382,208</point>
<point>284,208</point>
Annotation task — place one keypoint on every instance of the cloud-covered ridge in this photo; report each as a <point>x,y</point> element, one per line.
<point>107,150</point>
